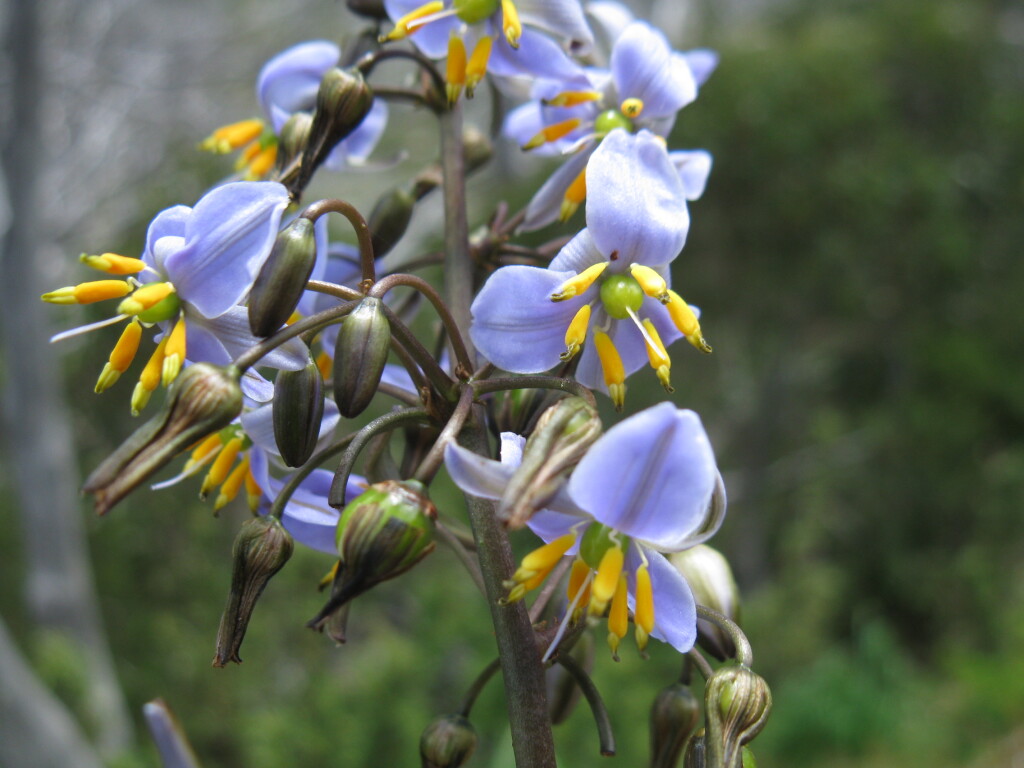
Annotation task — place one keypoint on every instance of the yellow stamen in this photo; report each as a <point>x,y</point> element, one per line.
<point>658,357</point>
<point>88,293</point>
<point>206,446</point>
<point>219,469</point>
<point>231,137</point>
<point>233,484</point>
<point>632,107</point>
<point>510,23</point>
<point>607,580</point>
<point>544,558</point>
<point>618,617</point>
<point>329,576</point>
<point>174,353</point>
<point>643,611</point>
<point>552,132</point>
<point>121,356</point>
<point>247,155</point>
<point>578,581</point>
<point>406,25</point>
<point>455,74</point>
<point>577,333</point>
<point>113,264</point>
<point>476,68</point>
<point>325,364</point>
<point>149,378</point>
<point>261,165</point>
<point>144,298</point>
<point>611,366</point>
<point>575,194</point>
<point>651,282</point>
<point>577,284</point>
<point>253,492</point>
<point>685,319</point>
<point>571,98</point>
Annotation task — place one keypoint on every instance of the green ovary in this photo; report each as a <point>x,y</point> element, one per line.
<point>475,11</point>
<point>611,119</point>
<point>620,294</point>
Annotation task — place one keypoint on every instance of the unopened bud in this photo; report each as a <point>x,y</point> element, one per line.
<point>282,278</point>
<point>360,353</point>
<point>563,434</point>
<point>696,751</point>
<point>371,9</point>
<point>261,549</point>
<point>674,715</point>
<point>202,400</point>
<point>710,578</point>
<point>447,742</point>
<point>382,533</point>
<point>298,411</point>
<point>517,410</point>
<point>563,690</point>
<point>389,219</point>
<point>736,706</point>
<point>292,140</point>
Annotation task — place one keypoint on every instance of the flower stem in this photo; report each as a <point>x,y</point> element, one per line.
<point>319,208</point>
<point>253,355</point>
<point>483,386</point>
<point>597,708</point>
<point>744,653</point>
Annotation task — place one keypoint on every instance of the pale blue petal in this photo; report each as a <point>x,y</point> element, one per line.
<point>523,123</point>
<point>550,525</point>
<point>694,167</point>
<point>259,426</point>
<point>563,19</point>
<point>256,387</point>
<point>168,223</point>
<point>431,39</point>
<point>476,474</point>
<point>577,255</point>
<point>537,57</point>
<point>608,20</point>
<point>702,62</point>
<point>362,141</point>
<point>231,329</point>
<point>675,611</point>
<point>643,68</point>
<point>650,476</point>
<point>546,204</point>
<point>511,451</point>
<point>289,82</point>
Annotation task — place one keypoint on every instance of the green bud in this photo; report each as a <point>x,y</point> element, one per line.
<point>359,356</point>
<point>298,411</point>
<point>563,434</point>
<point>201,400</point>
<point>261,549</point>
<point>371,9</point>
<point>382,533</point>
<point>517,410</point>
<point>447,742</point>
<point>282,279</point>
<point>674,715</point>
<point>563,690</point>
<point>710,578</point>
<point>736,706</point>
<point>696,751</point>
<point>292,140</point>
<point>389,219</point>
<point>748,759</point>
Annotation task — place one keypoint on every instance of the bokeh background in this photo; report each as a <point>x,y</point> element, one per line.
<point>857,259</point>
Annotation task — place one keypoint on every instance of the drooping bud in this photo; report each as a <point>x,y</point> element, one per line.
<point>736,706</point>
<point>710,578</point>
<point>298,411</point>
<point>261,549</point>
<point>282,278</point>
<point>447,742</point>
<point>695,751</point>
<point>563,434</point>
<point>201,400</point>
<point>382,533</point>
<point>674,715</point>
<point>390,218</point>
<point>563,690</point>
<point>292,140</point>
<point>359,356</point>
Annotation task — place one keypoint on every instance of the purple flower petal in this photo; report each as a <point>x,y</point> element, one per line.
<point>546,204</point>
<point>694,167</point>
<point>644,68</point>
<point>675,611</point>
<point>476,474</point>
<point>288,82</point>
<point>562,19</point>
<point>167,223</point>
<point>231,331</point>
<point>538,57</point>
<point>702,62</point>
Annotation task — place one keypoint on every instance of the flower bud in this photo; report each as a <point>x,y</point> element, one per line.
<point>674,715</point>
<point>282,279</point>
<point>563,690</point>
<point>382,533</point>
<point>710,578</point>
<point>298,411</point>
<point>371,9</point>
<point>291,142</point>
<point>389,219</point>
<point>202,400</point>
<point>695,751</point>
<point>563,434</point>
<point>736,706</point>
<point>360,353</point>
<point>447,742</point>
<point>261,549</point>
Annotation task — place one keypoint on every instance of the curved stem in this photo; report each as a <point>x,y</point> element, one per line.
<point>433,460</point>
<point>484,386</point>
<point>418,381</point>
<point>597,708</point>
<point>478,685</point>
<point>433,371</point>
<point>314,322</point>
<point>300,474</point>
<point>332,289</point>
<point>471,566</point>
<point>368,63</point>
<point>744,653</point>
<point>401,94</point>
<point>700,663</point>
<point>319,208</point>
<point>399,394</point>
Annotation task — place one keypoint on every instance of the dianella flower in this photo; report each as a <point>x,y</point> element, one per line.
<point>649,485</point>
<point>606,293</point>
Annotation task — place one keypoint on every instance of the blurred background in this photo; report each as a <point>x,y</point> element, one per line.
<point>857,259</point>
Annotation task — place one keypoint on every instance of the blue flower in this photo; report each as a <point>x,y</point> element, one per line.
<point>611,278</point>
<point>645,487</point>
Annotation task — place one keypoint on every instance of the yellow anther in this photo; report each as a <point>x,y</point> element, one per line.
<point>685,319</point>
<point>544,558</point>
<point>611,366</point>
<point>574,196</point>
<point>579,283</point>
<point>643,610</point>
<point>247,155</point>
<point>221,465</point>
<point>577,333</point>
<point>602,589</point>
<point>121,356</point>
<point>571,98</point>
<point>174,353</point>
<point>578,581</point>
<point>651,282</point>
<point>618,617</point>
<point>253,492</point>
<point>233,484</point>
<point>328,578</point>
<point>206,447</point>
<point>233,136</point>
<point>406,25</point>
<point>113,264</point>
<point>476,68</point>
<point>455,73</point>
<point>658,357</point>
<point>510,23</point>
<point>149,379</point>
<point>88,293</point>
<point>631,108</point>
<point>144,298</point>
<point>325,364</point>
<point>262,164</point>
<point>552,132</point>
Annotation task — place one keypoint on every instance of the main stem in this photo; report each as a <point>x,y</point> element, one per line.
<point>523,673</point>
